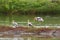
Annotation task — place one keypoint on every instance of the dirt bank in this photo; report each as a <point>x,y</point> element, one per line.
<point>40,32</point>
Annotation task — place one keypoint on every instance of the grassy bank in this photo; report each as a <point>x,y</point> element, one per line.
<point>48,20</point>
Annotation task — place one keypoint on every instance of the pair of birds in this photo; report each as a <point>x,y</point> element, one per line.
<point>15,24</point>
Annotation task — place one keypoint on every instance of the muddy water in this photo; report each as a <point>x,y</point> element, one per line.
<point>22,34</point>
<point>52,34</point>
<point>25,32</point>
<point>41,34</point>
<point>56,34</point>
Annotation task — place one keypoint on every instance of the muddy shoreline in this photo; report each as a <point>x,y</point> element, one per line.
<point>6,31</point>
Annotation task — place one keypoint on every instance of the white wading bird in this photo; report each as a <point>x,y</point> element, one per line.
<point>29,24</point>
<point>14,24</point>
<point>39,19</point>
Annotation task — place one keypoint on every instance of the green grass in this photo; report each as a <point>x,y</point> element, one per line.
<point>47,20</point>
<point>36,38</point>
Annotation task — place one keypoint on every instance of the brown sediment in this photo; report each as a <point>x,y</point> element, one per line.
<point>6,31</point>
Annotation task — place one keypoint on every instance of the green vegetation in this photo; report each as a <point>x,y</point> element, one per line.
<point>37,38</point>
<point>19,9</point>
<point>30,38</point>
<point>32,7</point>
<point>51,21</point>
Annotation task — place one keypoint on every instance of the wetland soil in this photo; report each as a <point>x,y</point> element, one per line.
<point>6,31</point>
